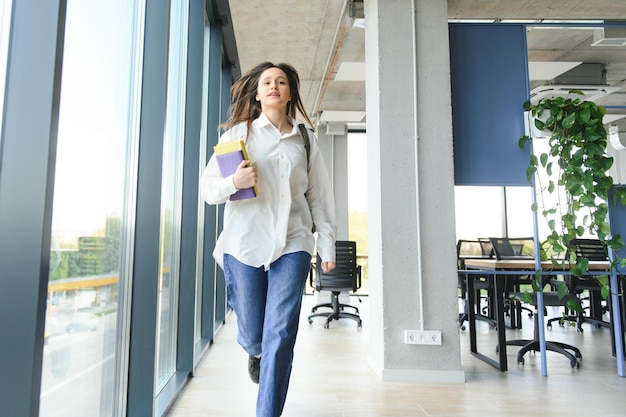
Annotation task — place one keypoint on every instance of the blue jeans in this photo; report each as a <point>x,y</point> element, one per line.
<point>267,305</point>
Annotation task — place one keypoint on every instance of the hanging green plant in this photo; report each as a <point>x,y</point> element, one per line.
<point>578,144</point>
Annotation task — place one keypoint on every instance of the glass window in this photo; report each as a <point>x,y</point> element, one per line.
<point>483,211</point>
<point>202,155</point>
<point>87,316</point>
<point>479,212</point>
<point>171,194</point>
<point>357,201</point>
<point>519,214</point>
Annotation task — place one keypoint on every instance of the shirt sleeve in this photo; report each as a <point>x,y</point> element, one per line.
<point>321,199</point>
<point>215,189</point>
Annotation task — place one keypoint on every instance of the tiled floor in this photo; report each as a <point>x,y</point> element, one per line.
<point>331,378</point>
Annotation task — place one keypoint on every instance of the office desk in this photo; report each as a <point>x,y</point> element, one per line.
<point>501,269</point>
<point>525,265</point>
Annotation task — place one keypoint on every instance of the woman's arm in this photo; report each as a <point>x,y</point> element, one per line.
<point>321,200</point>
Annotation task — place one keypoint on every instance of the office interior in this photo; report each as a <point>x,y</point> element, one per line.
<point>110,296</point>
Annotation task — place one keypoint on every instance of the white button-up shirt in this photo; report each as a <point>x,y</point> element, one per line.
<point>257,231</point>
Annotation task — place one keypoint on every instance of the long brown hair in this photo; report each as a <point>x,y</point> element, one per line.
<point>245,108</point>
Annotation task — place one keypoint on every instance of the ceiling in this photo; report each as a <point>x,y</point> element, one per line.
<point>322,41</point>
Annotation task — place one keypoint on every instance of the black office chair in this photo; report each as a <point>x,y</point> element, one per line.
<point>515,248</point>
<point>474,249</point>
<point>345,277</point>
<point>550,299</point>
<point>507,250</point>
<point>593,250</point>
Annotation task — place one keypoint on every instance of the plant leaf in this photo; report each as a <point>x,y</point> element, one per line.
<point>568,121</point>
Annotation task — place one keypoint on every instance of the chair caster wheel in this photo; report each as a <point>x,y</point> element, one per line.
<point>326,326</point>
<point>575,364</point>
<point>520,361</point>
<point>579,330</point>
<point>310,321</point>
<point>462,327</point>
<point>549,326</point>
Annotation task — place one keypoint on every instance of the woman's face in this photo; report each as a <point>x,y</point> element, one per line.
<point>273,89</point>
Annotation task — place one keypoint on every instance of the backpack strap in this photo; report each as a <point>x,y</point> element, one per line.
<point>307,145</point>
<point>307,142</point>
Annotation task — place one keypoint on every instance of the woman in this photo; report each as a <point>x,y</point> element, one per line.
<point>266,244</point>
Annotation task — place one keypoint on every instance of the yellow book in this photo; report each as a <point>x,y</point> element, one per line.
<point>229,155</point>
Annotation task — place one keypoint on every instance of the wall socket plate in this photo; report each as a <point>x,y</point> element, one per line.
<point>422,337</point>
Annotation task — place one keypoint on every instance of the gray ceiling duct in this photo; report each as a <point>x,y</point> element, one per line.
<point>583,74</point>
<point>617,138</point>
<point>609,36</point>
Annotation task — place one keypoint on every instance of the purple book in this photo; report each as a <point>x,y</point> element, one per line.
<point>229,155</point>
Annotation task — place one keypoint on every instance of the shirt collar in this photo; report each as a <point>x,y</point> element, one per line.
<point>262,121</point>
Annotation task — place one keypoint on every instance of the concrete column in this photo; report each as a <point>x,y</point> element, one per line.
<point>412,260</point>
<point>334,146</point>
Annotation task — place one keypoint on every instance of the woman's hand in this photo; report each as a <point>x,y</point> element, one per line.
<point>244,176</point>
<point>328,266</point>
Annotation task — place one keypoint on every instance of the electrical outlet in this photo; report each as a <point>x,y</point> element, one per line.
<point>422,337</point>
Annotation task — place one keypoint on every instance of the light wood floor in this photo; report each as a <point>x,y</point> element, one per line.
<point>331,378</point>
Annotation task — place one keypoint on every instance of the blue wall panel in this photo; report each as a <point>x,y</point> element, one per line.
<point>487,99</point>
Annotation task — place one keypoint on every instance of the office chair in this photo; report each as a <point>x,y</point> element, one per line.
<point>550,299</point>
<point>345,277</point>
<point>473,249</point>
<point>505,249</point>
<point>515,248</point>
<point>593,250</point>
